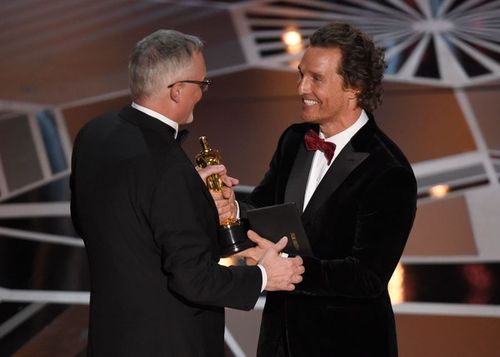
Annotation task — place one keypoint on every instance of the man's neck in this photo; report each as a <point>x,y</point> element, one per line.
<point>340,124</point>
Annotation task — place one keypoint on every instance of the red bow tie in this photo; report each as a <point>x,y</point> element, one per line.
<point>314,142</point>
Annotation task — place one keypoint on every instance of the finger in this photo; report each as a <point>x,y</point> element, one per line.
<point>247,253</point>
<point>229,181</point>
<point>250,261</point>
<point>278,247</point>
<point>224,207</point>
<point>298,270</point>
<point>224,211</point>
<point>234,180</point>
<point>227,192</point>
<point>254,237</point>
<point>217,196</point>
<point>242,254</point>
<point>297,261</point>
<point>296,279</point>
<point>211,170</point>
<point>222,202</point>
<point>214,169</point>
<point>224,218</point>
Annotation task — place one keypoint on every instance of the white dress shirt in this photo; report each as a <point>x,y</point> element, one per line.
<point>158,116</point>
<point>320,166</point>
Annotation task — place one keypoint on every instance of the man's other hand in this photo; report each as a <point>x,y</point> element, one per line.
<point>219,170</point>
<point>282,273</point>
<point>253,255</point>
<point>225,200</point>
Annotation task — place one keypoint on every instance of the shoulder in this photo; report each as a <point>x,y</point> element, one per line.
<point>101,121</point>
<point>97,127</point>
<point>380,146</point>
<point>386,157</point>
<point>297,130</point>
<point>294,134</point>
<point>392,166</point>
<point>385,147</point>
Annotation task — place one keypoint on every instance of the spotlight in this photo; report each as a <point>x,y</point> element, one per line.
<point>439,191</point>
<point>293,41</point>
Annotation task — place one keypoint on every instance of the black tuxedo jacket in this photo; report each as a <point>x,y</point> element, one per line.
<point>150,226</point>
<point>357,221</point>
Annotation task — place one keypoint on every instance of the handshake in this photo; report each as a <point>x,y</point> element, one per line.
<point>282,273</point>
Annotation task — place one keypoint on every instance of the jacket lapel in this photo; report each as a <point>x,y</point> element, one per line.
<point>296,185</point>
<point>341,168</point>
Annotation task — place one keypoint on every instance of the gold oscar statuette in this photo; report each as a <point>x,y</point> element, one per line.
<point>232,231</point>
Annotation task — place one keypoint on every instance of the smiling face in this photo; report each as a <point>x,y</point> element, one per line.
<point>325,101</point>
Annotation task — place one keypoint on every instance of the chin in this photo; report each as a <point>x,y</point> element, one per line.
<point>308,119</point>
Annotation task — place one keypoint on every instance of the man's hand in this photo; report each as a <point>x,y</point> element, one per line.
<point>217,169</point>
<point>225,200</point>
<point>253,255</point>
<point>282,273</point>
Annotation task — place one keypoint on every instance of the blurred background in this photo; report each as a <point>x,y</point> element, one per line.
<point>64,62</point>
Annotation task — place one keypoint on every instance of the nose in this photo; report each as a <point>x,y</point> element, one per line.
<point>303,86</point>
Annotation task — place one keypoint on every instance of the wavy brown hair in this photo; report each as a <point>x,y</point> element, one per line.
<point>363,63</point>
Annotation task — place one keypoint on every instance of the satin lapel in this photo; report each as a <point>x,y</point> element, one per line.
<point>341,168</point>
<point>296,185</point>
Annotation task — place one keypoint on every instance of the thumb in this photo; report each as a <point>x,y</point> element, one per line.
<point>234,181</point>
<point>230,181</point>
<point>281,244</point>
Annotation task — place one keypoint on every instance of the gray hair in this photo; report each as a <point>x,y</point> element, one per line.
<point>157,57</point>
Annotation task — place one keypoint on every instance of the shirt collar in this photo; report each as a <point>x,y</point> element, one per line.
<point>158,116</point>
<point>346,135</point>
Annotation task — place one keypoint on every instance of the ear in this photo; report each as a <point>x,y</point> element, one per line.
<point>176,93</point>
<point>353,93</point>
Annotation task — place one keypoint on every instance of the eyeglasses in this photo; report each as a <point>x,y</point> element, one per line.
<point>203,84</point>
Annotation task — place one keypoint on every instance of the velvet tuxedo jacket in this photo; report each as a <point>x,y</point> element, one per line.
<point>357,221</point>
<point>150,226</point>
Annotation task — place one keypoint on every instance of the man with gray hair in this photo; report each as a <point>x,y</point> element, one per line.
<point>149,223</point>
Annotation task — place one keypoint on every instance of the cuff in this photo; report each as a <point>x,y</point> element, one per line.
<point>264,277</point>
